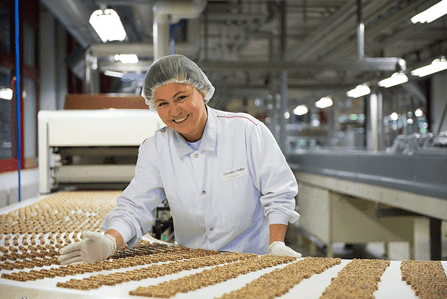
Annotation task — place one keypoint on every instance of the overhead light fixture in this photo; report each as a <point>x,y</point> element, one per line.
<point>108,25</point>
<point>418,112</point>
<point>126,58</point>
<point>360,91</point>
<point>113,74</point>
<point>394,116</point>
<point>6,94</point>
<point>300,110</point>
<point>437,65</point>
<point>431,14</point>
<point>324,102</point>
<point>395,79</point>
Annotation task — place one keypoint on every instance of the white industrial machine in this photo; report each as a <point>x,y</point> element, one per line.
<point>91,147</point>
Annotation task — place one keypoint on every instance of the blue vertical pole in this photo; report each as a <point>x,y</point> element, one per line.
<point>19,153</point>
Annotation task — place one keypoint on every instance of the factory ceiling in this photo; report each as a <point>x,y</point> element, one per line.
<point>244,45</point>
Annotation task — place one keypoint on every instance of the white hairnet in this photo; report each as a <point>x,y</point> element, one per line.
<point>175,69</point>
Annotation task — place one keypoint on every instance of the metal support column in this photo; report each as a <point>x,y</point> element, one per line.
<point>272,113</point>
<point>91,73</point>
<point>435,239</point>
<point>282,120</point>
<point>380,120</point>
<point>161,34</point>
<point>372,133</point>
<point>360,32</point>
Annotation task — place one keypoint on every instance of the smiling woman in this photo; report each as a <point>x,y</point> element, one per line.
<point>227,183</point>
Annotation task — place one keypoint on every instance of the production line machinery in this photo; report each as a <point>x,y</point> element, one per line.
<point>91,147</point>
<point>364,197</point>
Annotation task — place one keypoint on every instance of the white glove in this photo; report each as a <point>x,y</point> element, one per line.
<point>279,248</point>
<point>96,247</point>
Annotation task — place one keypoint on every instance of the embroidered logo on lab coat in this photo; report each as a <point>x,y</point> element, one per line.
<point>231,174</point>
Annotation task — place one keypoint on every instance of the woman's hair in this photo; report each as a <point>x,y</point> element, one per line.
<point>175,69</point>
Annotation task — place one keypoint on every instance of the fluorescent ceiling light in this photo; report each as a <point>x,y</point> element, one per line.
<point>324,102</point>
<point>436,66</point>
<point>395,79</point>
<point>108,25</point>
<point>6,94</point>
<point>359,91</point>
<point>431,14</point>
<point>126,58</point>
<point>113,74</point>
<point>300,110</point>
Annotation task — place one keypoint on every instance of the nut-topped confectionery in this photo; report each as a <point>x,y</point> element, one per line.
<point>427,278</point>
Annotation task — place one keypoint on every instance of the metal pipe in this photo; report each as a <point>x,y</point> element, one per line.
<point>344,49</point>
<point>373,125</point>
<point>205,46</point>
<point>380,120</point>
<point>442,119</point>
<point>360,32</point>
<point>368,64</point>
<point>161,34</point>
<point>325,29</point>
<point>171,12</point>
<point>283,109</point>
<point>74,15</point>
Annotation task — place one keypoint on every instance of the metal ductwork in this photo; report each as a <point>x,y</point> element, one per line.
<point>74,15</point>
<point>167,12</point>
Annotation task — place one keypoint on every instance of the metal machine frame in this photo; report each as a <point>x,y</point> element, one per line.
<point>89,133</point>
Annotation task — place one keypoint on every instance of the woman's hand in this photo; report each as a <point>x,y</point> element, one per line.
<point>279,248</point>
<point>96,247</point>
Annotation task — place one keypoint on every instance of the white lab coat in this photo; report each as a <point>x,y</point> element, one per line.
<point>222,196</point>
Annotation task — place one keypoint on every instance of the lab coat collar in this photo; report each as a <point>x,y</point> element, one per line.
<point>209,137</point>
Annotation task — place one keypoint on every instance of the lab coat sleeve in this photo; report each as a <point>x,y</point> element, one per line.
<point>136,206</point>
<point>272,176</point>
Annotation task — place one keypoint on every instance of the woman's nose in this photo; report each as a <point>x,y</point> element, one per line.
<point>175,109</point>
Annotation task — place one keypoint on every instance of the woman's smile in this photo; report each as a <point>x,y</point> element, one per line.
<point>180,120</point>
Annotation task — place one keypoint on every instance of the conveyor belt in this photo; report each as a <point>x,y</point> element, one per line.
<point>390,286</point>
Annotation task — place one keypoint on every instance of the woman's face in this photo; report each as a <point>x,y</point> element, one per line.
<point>181,107</point>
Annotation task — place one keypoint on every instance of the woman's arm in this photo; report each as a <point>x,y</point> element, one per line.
<point>119,239</point>
<point>277,232</point>
<point>134,213</point>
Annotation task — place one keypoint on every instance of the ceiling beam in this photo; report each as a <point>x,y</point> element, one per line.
<point>140,49</point>
<point>368,64</point>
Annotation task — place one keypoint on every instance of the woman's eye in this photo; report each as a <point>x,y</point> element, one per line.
<point>161,104</point>
<point>180,98</point>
